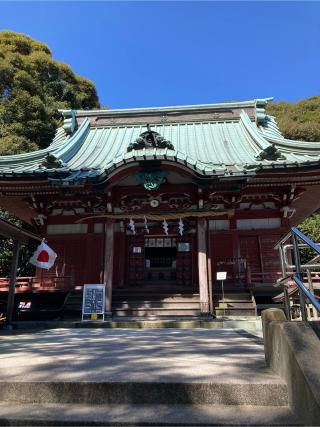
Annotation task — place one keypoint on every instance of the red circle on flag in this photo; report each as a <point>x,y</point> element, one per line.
<point>43,256</point>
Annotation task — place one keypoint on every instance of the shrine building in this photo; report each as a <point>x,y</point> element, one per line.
<point>154,202</point>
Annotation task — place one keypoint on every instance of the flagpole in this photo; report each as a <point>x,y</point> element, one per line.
<point>41,278</point>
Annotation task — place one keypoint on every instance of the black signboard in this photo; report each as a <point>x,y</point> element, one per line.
<point>93,302</point>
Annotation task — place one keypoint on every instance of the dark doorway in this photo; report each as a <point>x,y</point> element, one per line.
<point>160,265</point>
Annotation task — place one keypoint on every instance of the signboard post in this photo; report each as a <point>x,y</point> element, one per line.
<point>93,302</point>
<point>222,275</point>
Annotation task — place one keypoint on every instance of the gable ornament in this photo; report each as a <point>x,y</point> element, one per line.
<point>51,162</point>
<point>150,139</point>
<point>151,180</point>
<point>270,153</point>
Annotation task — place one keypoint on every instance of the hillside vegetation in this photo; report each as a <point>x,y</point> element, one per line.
<point>33,86</point>
<point>300,120</point>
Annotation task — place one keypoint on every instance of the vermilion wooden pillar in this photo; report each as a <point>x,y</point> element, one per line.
<point>12,284</point>
<point>122,259</point>
<point>108,262</point>
<point>203,266</point>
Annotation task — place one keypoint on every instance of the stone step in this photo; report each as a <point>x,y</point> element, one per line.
<point>100,392</point>
<point>182,305</point>
<point>245,323</point>
<point>231,301</point>
<point>234,311</point>
<point>145,415</point>
<point>171,298</point>
<point>145,312</point>
<point>231,296</point>
<point>235,304</point>
<point>153,289</point>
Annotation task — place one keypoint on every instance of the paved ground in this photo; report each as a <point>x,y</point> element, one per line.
<point>145,415</point>
<point>123,355</point>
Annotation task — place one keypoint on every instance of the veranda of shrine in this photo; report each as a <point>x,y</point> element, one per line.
<point>161,199</point>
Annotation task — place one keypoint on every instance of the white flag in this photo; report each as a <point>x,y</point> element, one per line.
<point>44,257</point>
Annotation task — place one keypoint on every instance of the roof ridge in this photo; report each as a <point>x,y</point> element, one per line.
<point>191,107</point>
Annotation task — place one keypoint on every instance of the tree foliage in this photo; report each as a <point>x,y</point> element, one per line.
<point>6,249</point>
<point>33,86</point>
<point>311,228</point>
<point>300,120</point>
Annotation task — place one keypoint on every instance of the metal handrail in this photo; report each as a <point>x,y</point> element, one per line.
<point>302,236</point>
<point>300,245</point>
<point>306,292</point>
<point>306,239</point>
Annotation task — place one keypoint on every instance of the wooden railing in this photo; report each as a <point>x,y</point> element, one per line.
<point>239,270</point>
<point>259,277</point>
<point>25,284</point>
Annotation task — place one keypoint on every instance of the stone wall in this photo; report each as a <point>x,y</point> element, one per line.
<point>292,350</point>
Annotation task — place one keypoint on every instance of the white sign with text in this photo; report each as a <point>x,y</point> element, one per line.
<point>221,275</point>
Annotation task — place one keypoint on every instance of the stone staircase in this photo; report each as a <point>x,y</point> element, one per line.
<point>160,303</point>
<point>72,308</point>
<point>140,378</point>
<point>235,304</point>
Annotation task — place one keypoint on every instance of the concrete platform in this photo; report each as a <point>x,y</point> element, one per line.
<point>174,355</point>
<point>138,377</point>
<point>249,323</point>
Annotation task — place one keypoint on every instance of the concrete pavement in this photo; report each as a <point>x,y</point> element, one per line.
<point>134,355</point>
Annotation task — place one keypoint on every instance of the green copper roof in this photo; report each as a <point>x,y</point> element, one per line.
<point>213,147</point>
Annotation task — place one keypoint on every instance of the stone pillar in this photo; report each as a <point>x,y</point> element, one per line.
<point>108,263</point>
<point>203,266</point>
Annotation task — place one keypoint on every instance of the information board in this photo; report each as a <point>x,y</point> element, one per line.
<point>93,302</point>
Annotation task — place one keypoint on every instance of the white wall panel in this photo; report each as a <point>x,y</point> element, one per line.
<point>219,224</point>
<point>258,223</point>
<point>67,228</point>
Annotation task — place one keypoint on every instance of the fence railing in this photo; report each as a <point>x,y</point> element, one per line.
<point>298,277</point>
<point>29,283</point>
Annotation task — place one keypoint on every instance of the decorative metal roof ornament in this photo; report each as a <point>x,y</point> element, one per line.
<point>51,162</point>
<point>151,180</point>
<point>69,121</point>
<point>150,139</point>
<point>270,153</point>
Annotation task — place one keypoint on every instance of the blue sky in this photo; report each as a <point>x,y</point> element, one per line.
<point>171,53</point>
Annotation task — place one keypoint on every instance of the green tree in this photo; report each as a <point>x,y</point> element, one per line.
<point>33,86</point>
<point>300,120</point>
<point>311,228</point>
<point>6,249</point>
